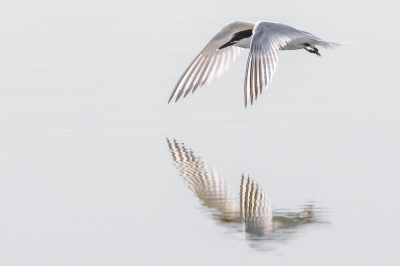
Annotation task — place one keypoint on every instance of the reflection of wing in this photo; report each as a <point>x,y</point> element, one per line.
<point>255,209</point>
<point>208,186</point>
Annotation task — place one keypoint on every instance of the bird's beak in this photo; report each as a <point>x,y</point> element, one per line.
<point>226,45</point>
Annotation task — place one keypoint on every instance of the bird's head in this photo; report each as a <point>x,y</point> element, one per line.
<point>241,39</point>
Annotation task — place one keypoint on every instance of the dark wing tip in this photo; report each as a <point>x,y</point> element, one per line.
<point>172,95</point>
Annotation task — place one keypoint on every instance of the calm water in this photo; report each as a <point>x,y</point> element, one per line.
<point>97,168</point>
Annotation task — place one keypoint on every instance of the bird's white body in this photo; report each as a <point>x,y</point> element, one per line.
<point>293,45</point>
<point>299,44</point>
<point>264,39</point>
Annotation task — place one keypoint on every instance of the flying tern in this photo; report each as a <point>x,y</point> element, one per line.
<point>264,39</point>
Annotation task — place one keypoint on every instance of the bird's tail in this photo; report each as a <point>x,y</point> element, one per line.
<point>328,45</point>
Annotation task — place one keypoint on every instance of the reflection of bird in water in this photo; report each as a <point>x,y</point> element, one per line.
<point>254,208</point>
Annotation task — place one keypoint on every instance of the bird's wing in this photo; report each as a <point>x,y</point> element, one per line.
<point>210,63</point>
<point>268,38</point>
<point>208,186</point>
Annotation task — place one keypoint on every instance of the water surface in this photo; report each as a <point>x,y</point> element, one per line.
<point>87,176</point>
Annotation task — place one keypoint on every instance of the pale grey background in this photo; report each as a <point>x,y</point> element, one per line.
<point>86,177</point>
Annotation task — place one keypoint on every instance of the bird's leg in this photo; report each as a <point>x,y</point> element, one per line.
<point>311,49</point>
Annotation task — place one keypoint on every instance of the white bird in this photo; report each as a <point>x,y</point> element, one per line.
<point>264,39</point>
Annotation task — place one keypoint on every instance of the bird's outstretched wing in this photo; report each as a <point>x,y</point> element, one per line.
<point>210,63</point>
<point>268,38</point>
